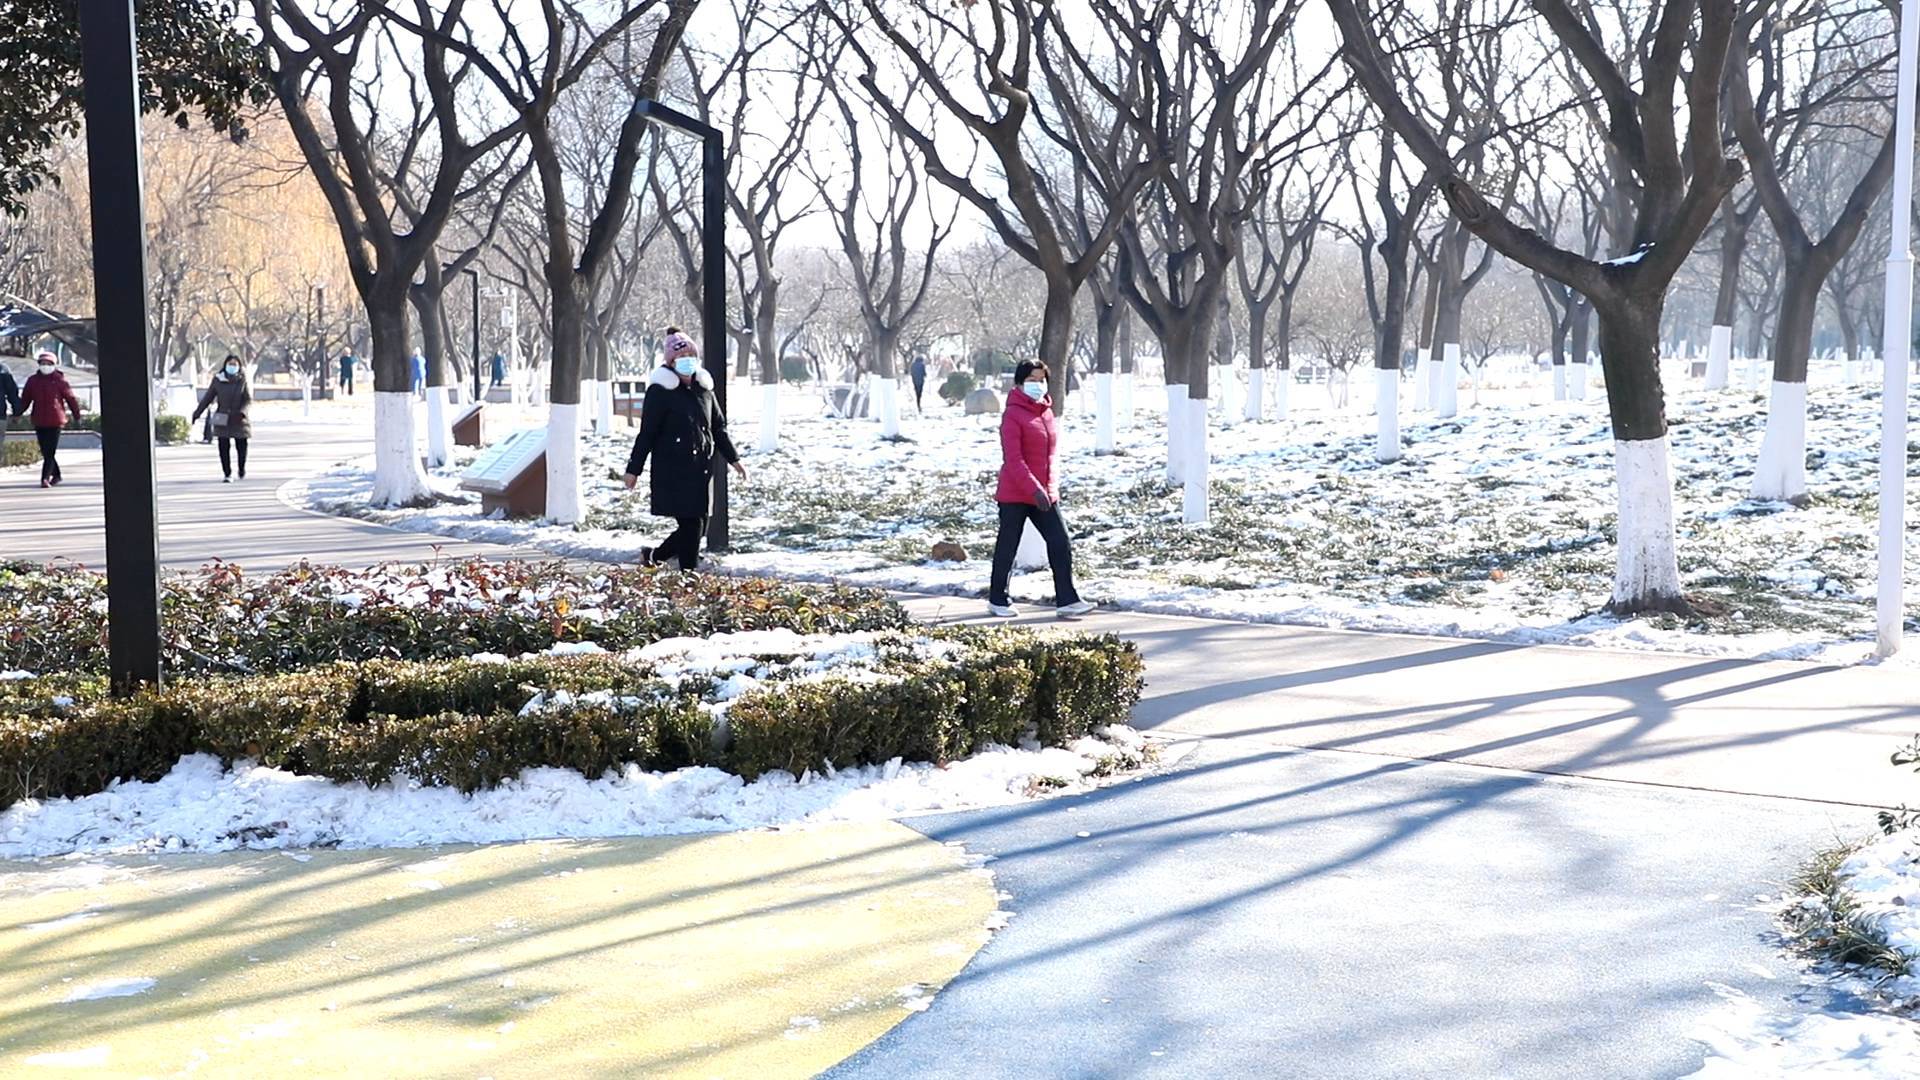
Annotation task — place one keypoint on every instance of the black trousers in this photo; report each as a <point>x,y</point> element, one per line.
<point>226,458</point>
<point>919,389</point>
<point>1052,529</point>
<point>683,543</point>
<point>49,447</point>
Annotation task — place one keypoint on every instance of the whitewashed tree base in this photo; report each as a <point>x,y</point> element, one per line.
<point>1422,380</point>
<point>1125,415</point>
<point>769,418</point>
<point>1386,403</point>
<point>1719,357</point>
<point>1256,394</point>
<point>1447,395</point>
<point>398,478</point>
<point>439,427</point>
<point>1194,508</point>
<point>1781,474</point>
<point>564,504</point>
<point>1177,415</point>
<point>1559,382</point>
<point>1226,382</point>
<point>1646,570</point>
<point>1032,553</point>
<point>1282,388</point>
<point>603,406</point>
<point>1103,412</point>
<point>887,396</point>
<point>1577,381</point>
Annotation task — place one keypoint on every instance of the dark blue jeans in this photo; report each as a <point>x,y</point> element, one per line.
<point>1052,529</point>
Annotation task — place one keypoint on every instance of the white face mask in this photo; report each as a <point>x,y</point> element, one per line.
<point>1035,390</point>
<point>233,369</point>
<point>46,369</point>
<point>685,367</point>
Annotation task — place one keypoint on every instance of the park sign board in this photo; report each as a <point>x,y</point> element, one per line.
<point>511,476</point>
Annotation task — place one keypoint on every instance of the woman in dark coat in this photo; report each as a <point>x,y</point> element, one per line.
<point>683,430</point>
<point>229,397</point>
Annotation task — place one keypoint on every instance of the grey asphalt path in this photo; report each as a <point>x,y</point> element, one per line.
<point>203,520</point>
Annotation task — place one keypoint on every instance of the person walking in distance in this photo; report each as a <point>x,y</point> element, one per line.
<point>499,371</point>
<point>49,399</point>
<point>683,430</point>
<point>1029,445</point>
<point>229,397</point>
<point>918,369</point>
<point>419,374</point>
<point>346,373</point>
<point>9,400</point>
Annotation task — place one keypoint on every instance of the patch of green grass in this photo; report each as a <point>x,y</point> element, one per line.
<point>1829,923</point>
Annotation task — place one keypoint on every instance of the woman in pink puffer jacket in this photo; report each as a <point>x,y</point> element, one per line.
<point>1029,442</point>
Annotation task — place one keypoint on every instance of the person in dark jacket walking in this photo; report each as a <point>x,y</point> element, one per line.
<point>346,372</point>
<point>49,398</point>
<point>229,397</point>
<point>918,369</point>
<point>1029,442</point>
<point>683,430</point>
<point>9,396</point>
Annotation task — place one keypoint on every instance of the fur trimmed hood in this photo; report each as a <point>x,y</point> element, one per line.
<point>666,379</point>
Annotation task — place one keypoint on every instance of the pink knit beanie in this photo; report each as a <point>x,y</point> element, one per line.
<point>678,345</point>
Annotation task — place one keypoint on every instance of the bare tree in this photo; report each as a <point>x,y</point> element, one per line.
<point>1270,275</point>
<point>1813,73</point>
<point>1675,183</point>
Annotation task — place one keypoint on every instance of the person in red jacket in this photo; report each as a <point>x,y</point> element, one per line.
<point>1029,442</point>
<point>51,402</point>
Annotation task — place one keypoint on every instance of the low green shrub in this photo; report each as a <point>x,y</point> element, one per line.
<point>956,387</point>
<point>18,452</point>
<point>468,724</point>
<point>224,620</point>
<point>171,430</point>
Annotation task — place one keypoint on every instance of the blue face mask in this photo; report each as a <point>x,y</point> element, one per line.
<point>1035,390</point>
<point>685,367</point>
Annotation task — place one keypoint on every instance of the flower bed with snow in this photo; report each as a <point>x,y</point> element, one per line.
<point>725,715</point>
<point>1498,523</point>
<point>53,619</point>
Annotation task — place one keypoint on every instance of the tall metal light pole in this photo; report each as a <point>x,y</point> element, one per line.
<point>108,68</point>
<point>1897,352</point>
<point>713,278</point>
<point>474,276</point>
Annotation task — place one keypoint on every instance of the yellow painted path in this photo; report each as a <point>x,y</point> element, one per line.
<point>768,954</point>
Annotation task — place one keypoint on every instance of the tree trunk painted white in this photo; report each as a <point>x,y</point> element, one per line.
<point>398,478</point>
<point>1646,566</point>
<point>1257,394</point>
<point>1432,369</point>
<point>439,427</point>
<point>1781,475</point>
<point>1032,553</point>
<point>306,396</point>
<point>1225,385</point>
<point>1194,506</point>
<point>1282,386</point>
<point>603,406</point>
<point>769,418</point>
<point>1559,382</point>
<point>1719,357</point>
<point>1577,381</point>
<point>1386,403</point>
<point>1849,372</point>
<point>887,396</point>
<point>564,505</point>
<point>1103,412</point>
<point>1177,416</point>
<point>1446,402</point>
<point>1125,415</point>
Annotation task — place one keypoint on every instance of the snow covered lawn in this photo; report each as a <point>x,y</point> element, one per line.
<point>1496,524</point>
<point>202,806</point>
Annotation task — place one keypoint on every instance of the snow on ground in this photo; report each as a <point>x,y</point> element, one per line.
<point>1496,524</point>
<point>1848,1036</point>
<point>202,806</point>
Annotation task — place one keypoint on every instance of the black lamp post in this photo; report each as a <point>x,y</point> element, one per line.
<point>108,67</point>
<point>474,276</point>
<point>713,287</point>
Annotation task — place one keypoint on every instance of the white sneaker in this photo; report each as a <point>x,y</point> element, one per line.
<point>1002,611</point>
<point>1075,610</point>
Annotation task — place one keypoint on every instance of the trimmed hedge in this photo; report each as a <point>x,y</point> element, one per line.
<point>226,621</point>
<point>462,724</point>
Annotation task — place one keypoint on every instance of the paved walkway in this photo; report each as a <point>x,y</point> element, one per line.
<point>1384,856</point>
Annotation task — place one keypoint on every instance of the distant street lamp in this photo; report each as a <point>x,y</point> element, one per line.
<point>1897,350</point>
<point>108,66</point>
<point>713,281</point>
